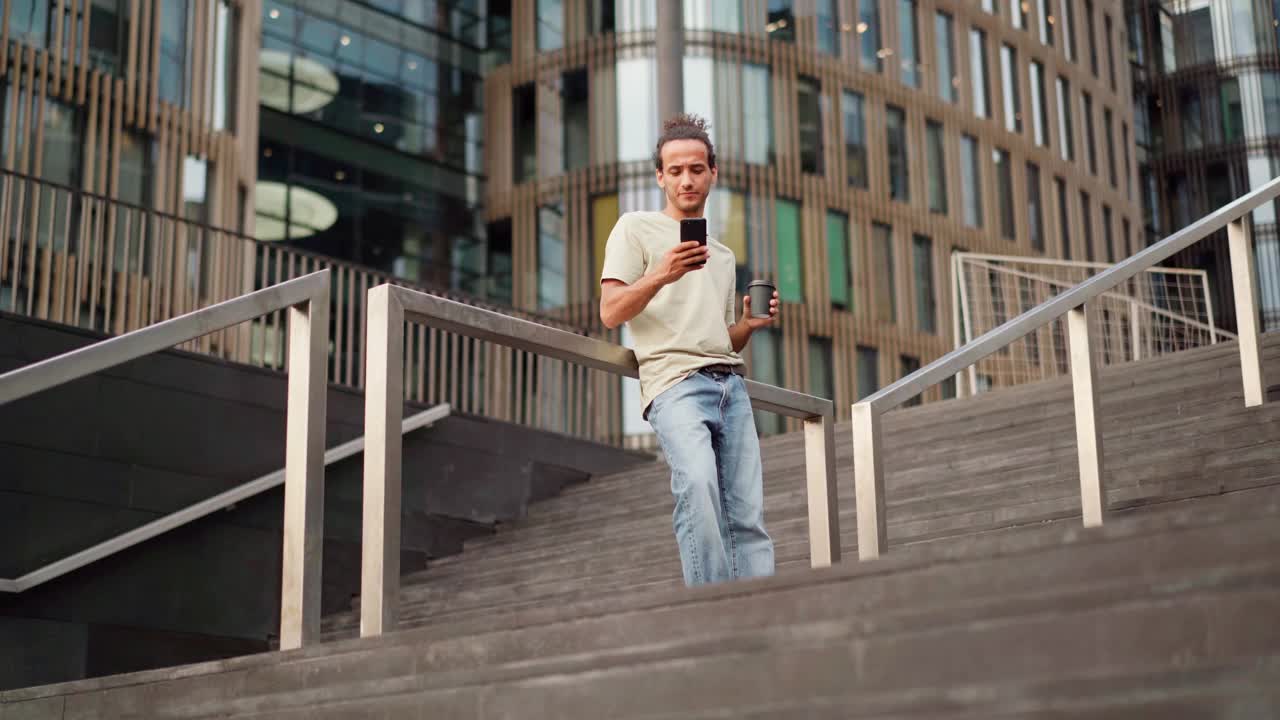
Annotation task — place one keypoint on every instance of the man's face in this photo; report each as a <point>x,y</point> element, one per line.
<point>685,177</point>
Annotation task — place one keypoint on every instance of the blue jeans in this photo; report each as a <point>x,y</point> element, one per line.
<point>706,429</point>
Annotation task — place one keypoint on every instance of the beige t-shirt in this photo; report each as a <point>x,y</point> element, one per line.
<point>686,325</point>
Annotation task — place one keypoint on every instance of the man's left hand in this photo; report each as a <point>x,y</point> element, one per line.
<point>756,323</point>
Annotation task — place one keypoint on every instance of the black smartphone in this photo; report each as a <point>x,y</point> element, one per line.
<point>694,229</point>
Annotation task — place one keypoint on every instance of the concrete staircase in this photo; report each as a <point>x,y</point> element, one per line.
<point>992,602</point>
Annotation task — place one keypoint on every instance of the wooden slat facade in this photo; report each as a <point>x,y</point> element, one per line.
<point>867,324</point>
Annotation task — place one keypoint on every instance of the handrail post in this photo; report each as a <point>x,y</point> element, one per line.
<point>823,491</point>
<point>1246,293</point>
<point>304,472</point>
<point>384,410</point>
<point>1084,387</point>
<point>868,477</point>
<point>1135,330</point>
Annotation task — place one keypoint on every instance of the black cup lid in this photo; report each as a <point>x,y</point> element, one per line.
<point>754,283</point>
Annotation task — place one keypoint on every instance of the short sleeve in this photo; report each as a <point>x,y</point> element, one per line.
<point>623,256</point>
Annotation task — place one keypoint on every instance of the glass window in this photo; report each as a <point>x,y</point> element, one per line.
<point>551,257</point>
<point>885,307</point>
<point>604,215</point>
<point>1125,237</point>
<point>499,261</point>
<point>1035,209</point>
<point>637,108</point>
<point>575,119</point>
<point>978,73</point>
<point>195,189</point>
<point>821,382</point>
<point>1195,33</point>
<point>896,136</point>
<point>498,29</point>
<point>757,114</point>
<point>1068,20</point>
<point>1064,217</point>
<point>766,367</point>
<point>711,15</point>
<point>173,51</point>
<point>1090,144</point>
<point>1232,111</point>
<point>1086,222</point>
<point>1009,82</point>
<point>869,34</point>
<point>790,257</point>
<point>1064,120</point>
<point>1039,106</point>
<point>910,364</point>
<point>550,24</point>
<point>782,20</point>
<point>1109,131</point>
<point>909,43</point>
<point>727,220</point>
<point>1128,167</point>
<point>1004,193</point>
<point>935,145</point>
<point>29,22</point>
<point>1150,201</point>
<point>971,174</point>
<point>1192,124</point>
<point>1107,234</point>
<point>602,15</point>
<point>828,27</point>
<point>1092,33</point>
<point>524,140</point>
<point>855,137</point>
<point>1111,51</point>
<point>989,6</point>
<point>948,79</point>
<point>809,108</point>
<point>1018,14</point>
<point>868,371</point>
<point>109,33</point>
<point>1045,11</point>
<point>926,300</point>
<point>839,272</point>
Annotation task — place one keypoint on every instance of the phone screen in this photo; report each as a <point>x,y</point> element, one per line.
<point>694,229</point>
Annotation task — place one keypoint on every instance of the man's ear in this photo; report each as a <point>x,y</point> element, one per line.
<point>658,176</point>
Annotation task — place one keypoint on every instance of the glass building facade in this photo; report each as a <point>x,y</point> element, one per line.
<point>1207,128</point>
<point>371,142</point>
<point>913,129</point>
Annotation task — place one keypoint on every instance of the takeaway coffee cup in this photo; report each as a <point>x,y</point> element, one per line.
<point>761,294</point>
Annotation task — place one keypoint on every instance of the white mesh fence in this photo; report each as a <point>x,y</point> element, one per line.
<point>1160,311</point>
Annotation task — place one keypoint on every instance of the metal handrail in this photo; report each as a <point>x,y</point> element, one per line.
<point>867,435</point>
<point>195,511</point>
<point>389,306</point>
<point>307,299</point>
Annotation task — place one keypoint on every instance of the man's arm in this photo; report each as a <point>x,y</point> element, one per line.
<point>619,302</point>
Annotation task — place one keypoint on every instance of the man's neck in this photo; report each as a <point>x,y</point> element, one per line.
<point>677,214</point>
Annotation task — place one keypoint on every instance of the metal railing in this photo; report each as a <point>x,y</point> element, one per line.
<point>390,306</point>
<point>307,300</point>
<point>867,434</point>
<point>1161,310</point>
<point>195,511</point>
<point>83,259</point>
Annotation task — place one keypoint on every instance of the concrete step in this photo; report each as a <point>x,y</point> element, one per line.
<point>1171,576</point>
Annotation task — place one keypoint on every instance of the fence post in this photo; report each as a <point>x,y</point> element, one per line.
<point>304,472</point>
<point>823,490</point>
<point>868,480</point>
<point>383,414</point>
<point>1246,291</point>
<point>1084,387</point>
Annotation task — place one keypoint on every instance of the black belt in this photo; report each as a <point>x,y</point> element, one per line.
<point>722,369</point>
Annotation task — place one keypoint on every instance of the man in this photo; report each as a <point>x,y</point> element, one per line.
<point>682,320</point>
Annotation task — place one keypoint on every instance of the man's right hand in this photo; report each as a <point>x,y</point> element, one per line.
<point>682,259</point>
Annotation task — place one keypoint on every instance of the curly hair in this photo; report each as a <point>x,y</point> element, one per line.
<point>685,126</point>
